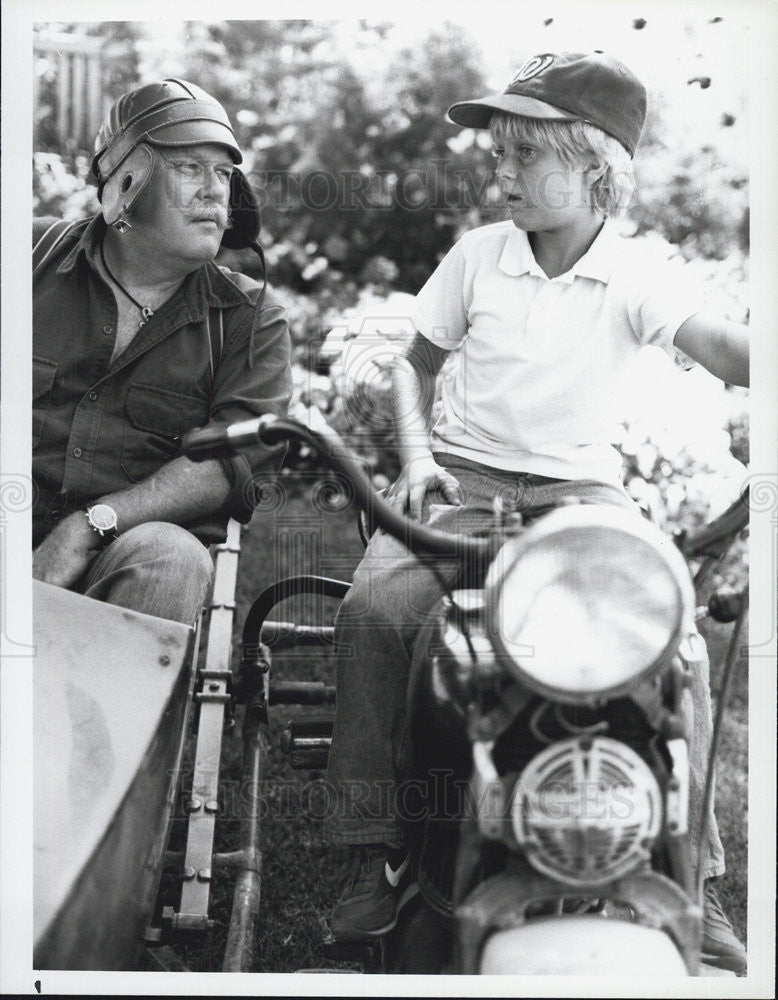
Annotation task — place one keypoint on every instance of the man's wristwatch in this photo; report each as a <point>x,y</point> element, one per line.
<point>102,519</point>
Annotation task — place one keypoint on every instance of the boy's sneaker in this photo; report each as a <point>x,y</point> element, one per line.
<point>379,883</point>
<point>720,947</point>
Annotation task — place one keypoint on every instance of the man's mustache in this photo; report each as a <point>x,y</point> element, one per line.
<point>210,213</point>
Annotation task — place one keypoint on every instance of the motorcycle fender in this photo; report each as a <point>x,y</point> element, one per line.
<point>581,945</point>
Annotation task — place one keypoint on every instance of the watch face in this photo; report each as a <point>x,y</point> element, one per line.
<point>102,517</point>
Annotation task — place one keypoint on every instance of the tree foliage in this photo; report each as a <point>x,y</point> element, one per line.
<point>360,174</point>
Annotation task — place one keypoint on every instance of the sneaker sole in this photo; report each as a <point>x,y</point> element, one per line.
<point>408,894</point>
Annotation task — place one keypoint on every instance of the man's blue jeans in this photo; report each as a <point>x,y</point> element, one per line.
<point>157,568</point>
<point>391,597</point>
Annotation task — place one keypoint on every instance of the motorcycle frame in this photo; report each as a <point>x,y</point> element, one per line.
<point>647,892</point>
<point>217,691</point>
<point>503,900</point>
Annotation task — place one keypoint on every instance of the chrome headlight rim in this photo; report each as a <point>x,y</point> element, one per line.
<point>551,529</point>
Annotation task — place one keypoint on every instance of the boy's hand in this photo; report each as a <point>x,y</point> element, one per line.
<point>418,477</point>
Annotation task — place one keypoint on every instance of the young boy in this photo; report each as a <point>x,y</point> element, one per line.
<point>545,311</point>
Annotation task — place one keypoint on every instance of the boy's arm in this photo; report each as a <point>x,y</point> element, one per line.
<point>413,392</point>
<point>719,345</point>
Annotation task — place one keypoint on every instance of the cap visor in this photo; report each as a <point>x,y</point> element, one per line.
<point>478,114</point>
<point>196,133</point>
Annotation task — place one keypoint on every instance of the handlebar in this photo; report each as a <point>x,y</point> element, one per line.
<point>205,443</point>
<point>714,539</point>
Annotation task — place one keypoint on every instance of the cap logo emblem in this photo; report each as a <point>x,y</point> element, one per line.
<point>531,68</point>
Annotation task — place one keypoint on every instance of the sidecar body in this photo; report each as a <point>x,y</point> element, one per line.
<point>111,693</point>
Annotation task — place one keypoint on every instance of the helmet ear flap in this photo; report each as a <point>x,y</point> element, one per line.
<point>125,185</point>
<point>244,214</point>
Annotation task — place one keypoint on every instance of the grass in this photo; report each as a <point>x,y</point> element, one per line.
<point>301,871</point>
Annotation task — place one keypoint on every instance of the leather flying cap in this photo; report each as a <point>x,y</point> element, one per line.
<point>170,113</point>
<point>567,86</point>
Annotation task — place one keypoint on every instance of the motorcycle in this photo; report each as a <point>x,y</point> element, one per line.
<point>546,715</point>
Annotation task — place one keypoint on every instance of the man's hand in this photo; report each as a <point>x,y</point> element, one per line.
<point>418,477</point>
<point>65,553</point>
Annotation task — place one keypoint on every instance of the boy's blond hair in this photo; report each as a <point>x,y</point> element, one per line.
<point>577,143</point>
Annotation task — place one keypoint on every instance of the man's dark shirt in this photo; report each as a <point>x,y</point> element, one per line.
<point>99,427</point>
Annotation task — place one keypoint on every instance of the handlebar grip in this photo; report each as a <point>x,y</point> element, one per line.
<point>221,441</point>
<point>715,538</point>
<point>726,606</point>
<point>205,442</point>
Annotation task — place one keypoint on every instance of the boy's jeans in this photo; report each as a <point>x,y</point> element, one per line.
<point>390,598</point>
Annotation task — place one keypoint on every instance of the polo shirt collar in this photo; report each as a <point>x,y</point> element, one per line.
<point>208,284</point>
<point>597,263</point>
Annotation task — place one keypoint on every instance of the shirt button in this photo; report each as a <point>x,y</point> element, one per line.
<point>93,395</point>
<point>77,452</point>
<point>108,330</point>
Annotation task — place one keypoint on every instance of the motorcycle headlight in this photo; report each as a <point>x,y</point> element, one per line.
<point>587,601</point>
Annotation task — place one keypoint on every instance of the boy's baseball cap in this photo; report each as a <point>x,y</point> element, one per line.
<point>567,86</point>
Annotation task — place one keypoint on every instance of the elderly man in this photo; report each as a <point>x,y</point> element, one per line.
<point>138,337</point>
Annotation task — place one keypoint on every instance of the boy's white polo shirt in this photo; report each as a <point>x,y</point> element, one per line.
<point>539,358</point>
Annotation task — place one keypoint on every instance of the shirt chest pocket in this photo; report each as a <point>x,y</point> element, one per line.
<point>155,421</point>
<point>43,374</point>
